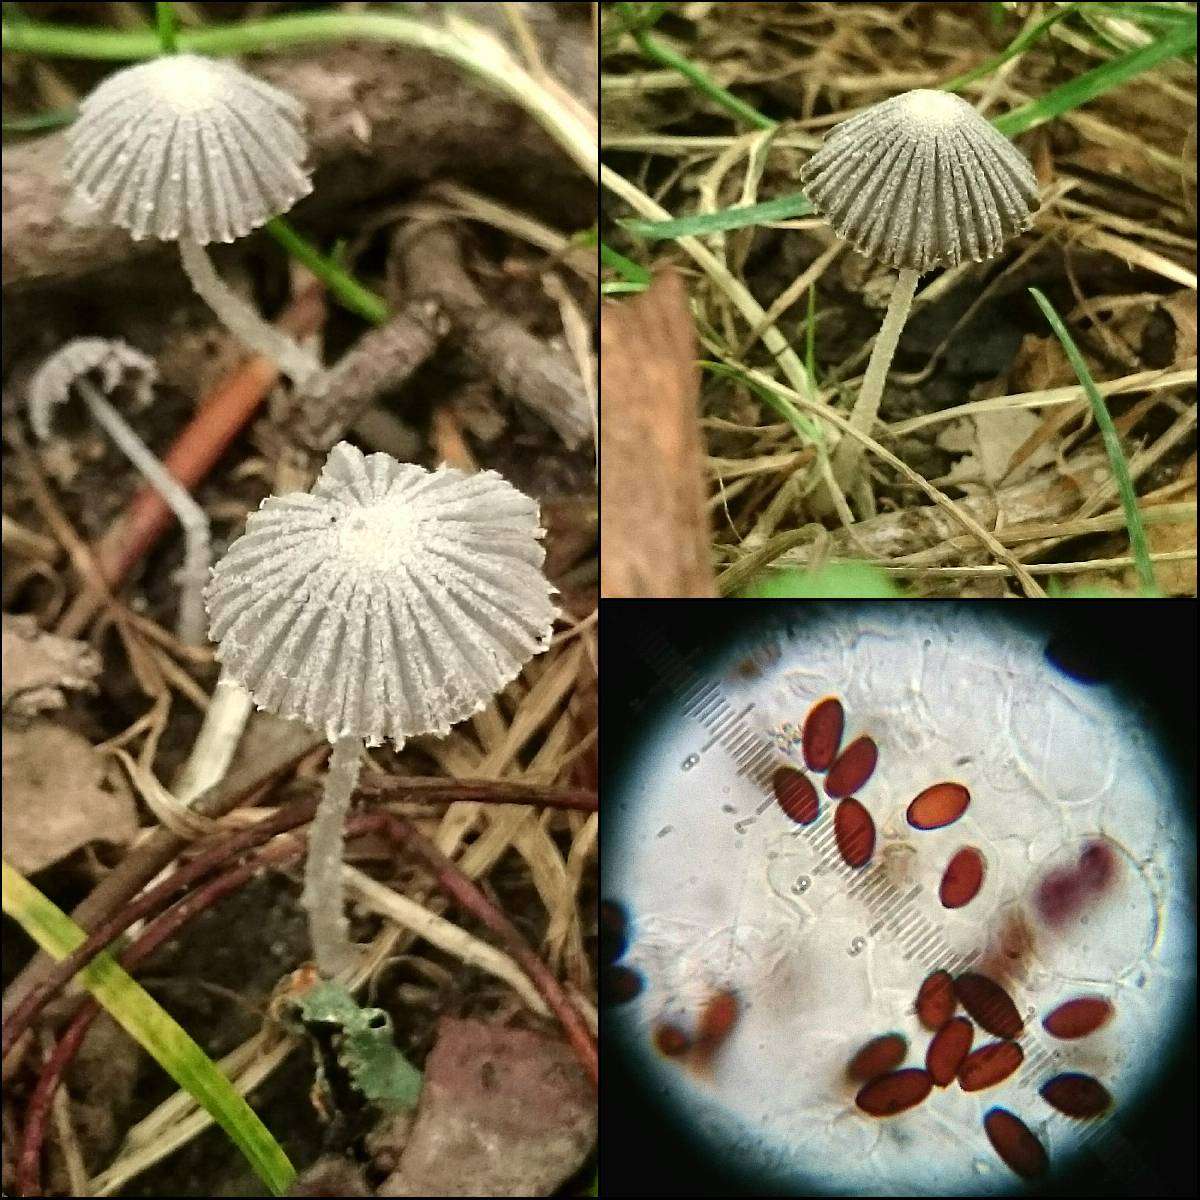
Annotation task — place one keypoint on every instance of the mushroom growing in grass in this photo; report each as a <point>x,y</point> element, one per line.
<point>916,182</point>
<point>68,370</point>
<point>194,150</point>
<point>389,601</point>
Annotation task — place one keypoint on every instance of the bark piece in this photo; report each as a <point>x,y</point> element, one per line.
<point>653,523</point>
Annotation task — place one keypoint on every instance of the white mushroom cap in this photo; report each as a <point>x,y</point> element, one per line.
<point>115,361</point>
<point>188,147</point>
<point>921,181</point>
<point>389,601</point>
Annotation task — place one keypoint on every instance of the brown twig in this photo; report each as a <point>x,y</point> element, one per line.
<point>382,359</point>
<point>522,366</point>
<point>461,888</point>
<point>159,850</point>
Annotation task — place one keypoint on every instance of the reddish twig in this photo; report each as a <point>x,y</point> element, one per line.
<point>151,938</point>
<point>379,788</point>
<point>148,902</point>
<point>461,888</point>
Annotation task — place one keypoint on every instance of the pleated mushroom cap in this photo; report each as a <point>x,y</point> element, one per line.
<point>188,147</point>
<point>389,601</point>
<point>114,361</point>
<point>921,181</point>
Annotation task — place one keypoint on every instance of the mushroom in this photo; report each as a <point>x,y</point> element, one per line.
<point>194,150</point>
<point>389,601</point>
<point>918,181</point>
<point>117,362</point>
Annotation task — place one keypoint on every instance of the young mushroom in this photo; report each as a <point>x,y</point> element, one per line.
<point>916,182</point>
<point>389,601</point>
<point>68,370</point>
<point>195,150</point>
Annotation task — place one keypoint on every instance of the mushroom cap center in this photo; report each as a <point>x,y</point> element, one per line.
<point>379,536</point>
<point>935,108</point>
<point>191,85</point>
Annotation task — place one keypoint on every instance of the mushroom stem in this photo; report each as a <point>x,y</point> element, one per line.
<point>197,555</point>
<point>866,408</point>
<point>324,895</point>
<point>241,319</point>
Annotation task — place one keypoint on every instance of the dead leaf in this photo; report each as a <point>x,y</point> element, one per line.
<point>503,1112</point>
<point>53,799</point>
<point>38,666</point>
<point>1181,308</point>
<point>653,520</point>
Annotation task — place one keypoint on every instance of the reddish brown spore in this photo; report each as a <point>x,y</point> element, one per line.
<point>989,1004</point>
<point>823,733</point>
<point>989,1065</point>
<point>877,1056</point>
<point>1079,1017</point>
<point>949,1047</point>
<point>855,832</point>
<point>890,1094</point>
<point>1076,1095</point>
<point>620,985</point>
<point>796,795</point>
<point>852,769</point>
<point>963,878</point>
<point>614,932</point>
<point>1017,1147</point>
<point>938,806</point>
<point>936,1001</point>
<point>717,1020</point>
<point>672,1041</point>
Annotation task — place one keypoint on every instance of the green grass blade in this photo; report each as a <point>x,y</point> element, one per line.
<point>156,1032</point>
<point>629,271</point>
<point>1112,444</point>
<point>658,52</point>
<point>1020,43</point>
<point>341,284</point>
<point>1180,40</point>
<point>795,204</point>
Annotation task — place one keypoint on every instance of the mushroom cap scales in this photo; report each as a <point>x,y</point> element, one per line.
<point>388,602</point>
<point>188,147</point>
<point>921,181</point>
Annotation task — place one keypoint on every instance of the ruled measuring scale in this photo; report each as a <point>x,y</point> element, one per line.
<point>1071,812</point>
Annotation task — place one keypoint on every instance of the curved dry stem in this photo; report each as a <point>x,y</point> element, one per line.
<point>243,322</point>
<point>192,518</point>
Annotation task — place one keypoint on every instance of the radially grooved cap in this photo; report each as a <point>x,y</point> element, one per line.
<point>188,147</point>
<point>389,601</point>
<point>921,181</point>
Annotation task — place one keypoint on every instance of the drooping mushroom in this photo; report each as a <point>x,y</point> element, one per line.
<point>917,182</point>
<point>67,370</point>
<point>389,601</point>
<point>195,150</point>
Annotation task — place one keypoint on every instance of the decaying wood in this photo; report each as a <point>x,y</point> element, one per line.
<point>653,523</point>
<point>380,118</point>
<point>521,365</point>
